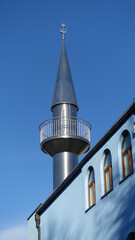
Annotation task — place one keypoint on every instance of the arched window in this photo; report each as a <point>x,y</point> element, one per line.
<point>91,187</point>
<point>108,171</point>
<point>126,155</point>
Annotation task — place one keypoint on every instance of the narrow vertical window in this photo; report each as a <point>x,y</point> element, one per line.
<point>91,187</point>
<point>108,172</point>
<point>126,155</point>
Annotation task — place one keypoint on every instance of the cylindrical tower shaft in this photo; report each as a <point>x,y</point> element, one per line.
<point>64,162</point>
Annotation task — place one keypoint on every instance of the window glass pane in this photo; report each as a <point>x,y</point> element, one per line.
<point>127,141</point>
<point>126,163</point>
<point>108,160</point>
<point>92,175</point>
<point>91,195</point>
<point>107,181</point>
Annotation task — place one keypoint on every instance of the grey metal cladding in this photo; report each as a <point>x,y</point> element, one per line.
<point>64,89</point>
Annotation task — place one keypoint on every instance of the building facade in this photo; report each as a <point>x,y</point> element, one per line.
<point>96,200</point>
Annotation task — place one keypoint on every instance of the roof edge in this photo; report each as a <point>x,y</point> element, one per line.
<point>34,211</point>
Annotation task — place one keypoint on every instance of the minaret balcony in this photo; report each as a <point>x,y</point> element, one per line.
<point>68,134</point>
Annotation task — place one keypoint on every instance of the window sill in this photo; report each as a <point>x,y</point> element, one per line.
<point>90,208</point>
<point>125,177</point>
<point>106,193</point>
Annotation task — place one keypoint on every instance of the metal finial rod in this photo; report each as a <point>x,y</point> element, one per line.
<point>63,30</point>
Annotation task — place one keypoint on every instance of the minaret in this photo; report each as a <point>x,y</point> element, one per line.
<point>64,137</point>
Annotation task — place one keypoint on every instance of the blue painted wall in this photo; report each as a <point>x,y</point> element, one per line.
<point>113,216</point>
<point>32,230</point>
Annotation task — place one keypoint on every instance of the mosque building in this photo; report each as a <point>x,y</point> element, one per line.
<point>93,199</point>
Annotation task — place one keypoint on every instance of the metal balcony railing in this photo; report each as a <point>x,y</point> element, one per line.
<point>67,126</point>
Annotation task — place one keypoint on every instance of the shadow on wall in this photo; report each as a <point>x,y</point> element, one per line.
<point>61,230</point>
<point>115,215</point>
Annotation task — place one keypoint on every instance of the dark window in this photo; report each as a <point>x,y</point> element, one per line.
<point>131,236</point>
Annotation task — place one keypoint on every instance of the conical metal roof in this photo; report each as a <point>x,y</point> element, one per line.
<point>64,89</point>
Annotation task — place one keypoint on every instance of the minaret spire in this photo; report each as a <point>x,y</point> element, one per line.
<point>64,91</point>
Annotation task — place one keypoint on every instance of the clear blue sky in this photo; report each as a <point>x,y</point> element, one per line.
<point>100,42</point>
